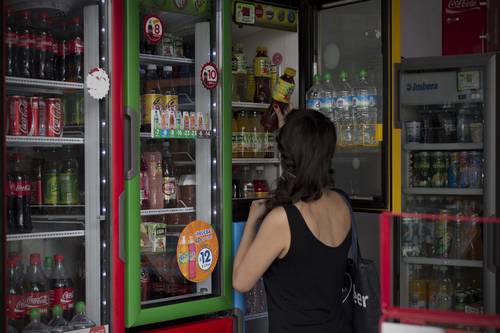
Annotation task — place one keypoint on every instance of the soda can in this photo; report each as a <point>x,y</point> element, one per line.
<point>443,235</point>
<point>33,116</point>
<point>18,116</point>
<point>78,114</point>
<point>409,237</point>
<point>54,117</point>
<point>42,117</point>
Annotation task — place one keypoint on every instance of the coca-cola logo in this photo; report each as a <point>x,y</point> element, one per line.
<point>23,112</point>
<point>37,300</point>
<point>56,115</point>
<point>22,188</point>
<point>67,296</point>
<point>462,4</point>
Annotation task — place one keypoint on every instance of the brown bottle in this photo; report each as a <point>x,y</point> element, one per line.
<point>281,97</point>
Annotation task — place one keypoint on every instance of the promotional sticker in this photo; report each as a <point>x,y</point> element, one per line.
<point>97,83</point>
<point>153,29</point>
<point>209,75</point>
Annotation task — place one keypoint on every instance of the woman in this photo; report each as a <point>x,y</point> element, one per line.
<point>301,241</point>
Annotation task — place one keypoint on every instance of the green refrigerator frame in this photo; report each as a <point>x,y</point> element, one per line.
<point>134,314</point>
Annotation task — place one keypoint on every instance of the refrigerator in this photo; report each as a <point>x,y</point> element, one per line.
<point>176,204</point>
<point>56,161</point>
<point>447,112</point>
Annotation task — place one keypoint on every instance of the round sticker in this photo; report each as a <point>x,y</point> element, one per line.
<point>197,251</point>
<point>97,82</point>
<point>259,11</point>
<point>209,75</point>
<point>153,29</point>
<point>277,59</point>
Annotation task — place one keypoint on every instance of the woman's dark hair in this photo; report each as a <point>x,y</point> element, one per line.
<point>307,144</point>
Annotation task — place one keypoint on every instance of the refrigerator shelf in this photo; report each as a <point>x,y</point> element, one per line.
<point>45,235</point>
<point>443,146</point>
<point>444,191</point>
<point>256,161</point>
<point>255,316</point>
<point>180,134</point>
<point>163,60</point>
<point>37,83</point>
<point>41,141</point>
<point>249,105</point>
<point>252,198</point>
<point>356,150</point>
<point>443,262</point>
<point>173,298</point>
<point>166,211</point>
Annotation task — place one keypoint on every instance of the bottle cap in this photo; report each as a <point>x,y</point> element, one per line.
<point>80,306</point>
<point>363,73</point>
<point>76,19</point>
<point>35,314</point>
<point>343,75</point>
<point>57,310</point>
<point>317,78</point>
<point>327,76</point>
<point>290,71</point>
<point>59,258</point>
<point>35,258</point>
<point>48,261</point>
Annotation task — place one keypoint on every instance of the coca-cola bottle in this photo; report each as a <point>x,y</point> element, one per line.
<point>25,46</point>
<point>22,200</point>
<point>35,286</point>
<point>15,295</point>
<point>61,288</point>
<point>10,41</point>
<point>10,191</point>
<point>60,51</point>
<point>37,182</point>
<point>75,54</point>
<point>44,49</point>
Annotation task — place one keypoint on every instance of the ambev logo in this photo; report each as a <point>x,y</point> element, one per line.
<point>421,86</point>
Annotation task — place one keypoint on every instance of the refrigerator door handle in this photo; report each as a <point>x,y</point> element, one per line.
<point>492,237</point>
<point>130,147</point>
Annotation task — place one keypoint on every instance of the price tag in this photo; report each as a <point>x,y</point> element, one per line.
<point>197,251</point>
<point>153,29</point>
<point>209,75</point>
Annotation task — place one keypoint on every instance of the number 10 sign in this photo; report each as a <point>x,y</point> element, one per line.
<point>209,75</point>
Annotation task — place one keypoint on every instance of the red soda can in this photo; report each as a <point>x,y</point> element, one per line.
<point>54,116</point>
<point>33,115</point>
<point>42,118</point>
<point>18,116</point>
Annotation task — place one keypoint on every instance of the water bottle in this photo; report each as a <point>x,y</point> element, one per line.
<point>328,99</point>
<point>344,110</point>
<point>364,105</point>
<point>313,96</point>
<point>58,323</point>
<point>35,325</point>
<point>80,319</point>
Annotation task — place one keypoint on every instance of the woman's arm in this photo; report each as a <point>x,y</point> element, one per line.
<point>258,249</point>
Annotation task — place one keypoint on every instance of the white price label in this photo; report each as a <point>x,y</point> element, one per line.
<point>205,259</point>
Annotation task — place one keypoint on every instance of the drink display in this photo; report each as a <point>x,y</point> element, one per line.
<point>281,98</point>
<point>249,138</point>
<point>449,169</point>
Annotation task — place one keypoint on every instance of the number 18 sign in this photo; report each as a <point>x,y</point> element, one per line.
<point>209,75</point>
<point>197,251</point>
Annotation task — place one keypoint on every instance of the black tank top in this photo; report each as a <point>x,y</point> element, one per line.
<point>304,288</point>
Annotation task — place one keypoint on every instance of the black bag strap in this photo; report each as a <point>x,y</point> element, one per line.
<point>356,251</point>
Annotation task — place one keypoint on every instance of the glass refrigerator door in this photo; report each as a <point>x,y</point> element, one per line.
<point>56,161</point>
<point>350,47</point>
<point>173,176</point>
<point>447,114</point>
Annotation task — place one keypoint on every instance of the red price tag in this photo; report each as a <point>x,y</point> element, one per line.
<point>209,75</point>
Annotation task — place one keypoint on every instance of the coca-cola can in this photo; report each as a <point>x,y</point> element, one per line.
<point>54,117</point>
<point>33,115</point>
<point>42,118</point>
<point>18,116</point>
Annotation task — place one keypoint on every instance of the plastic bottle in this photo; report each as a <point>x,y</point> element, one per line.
<point>10,44</point>
<point>244,134</point>
<point>25,46</point>
<point>58,324</point>
<point>21,190</point>
<point>364,105</point>
<point>15,294</point>
<point>257,136</point>
<point>35,286</point>
<point>80,319</point>
<point>262,76</point>
<point>261,188</point>
<point>37,182</point>
<point>144,185</point>
<point>328,98</point>
<point>43,48</point>
<point>48,267</point>
<point>75,54</point>
<point>344,109</point>
<point>250,94</point>
<point>248,189</point>
<point>281,99</point>
<point>61,287</point>
<point>35,325</point>
<point>68,183</point>
<point>313,96</point>
<point>51,182</point>
<point>60,50</point>
<point>235,138</point>
<point>418,289</point>
<point>153,161</point>
<point>169,179</point>
<point>239,71</point>
<point>442,292</point>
